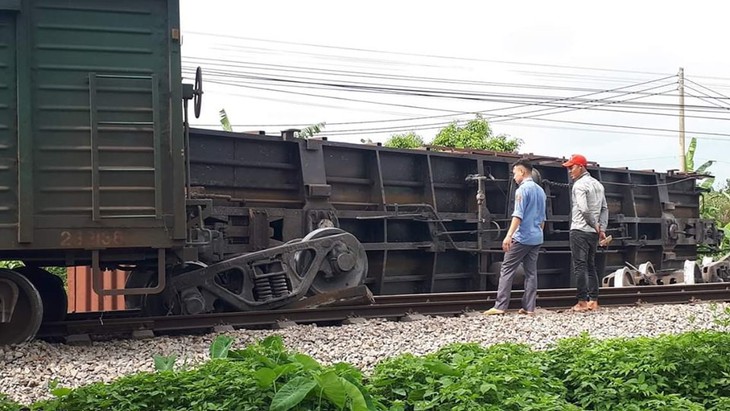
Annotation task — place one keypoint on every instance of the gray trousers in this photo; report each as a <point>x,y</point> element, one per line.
<point>527,255</point>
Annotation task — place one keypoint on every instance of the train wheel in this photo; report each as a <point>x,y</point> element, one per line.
<point>53,293</point>
<point>149,304</point>
<point>28,313</point>
<point>345,266</point>
<point>168,302</point>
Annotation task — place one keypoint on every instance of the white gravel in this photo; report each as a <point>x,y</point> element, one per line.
<point>26,370</point>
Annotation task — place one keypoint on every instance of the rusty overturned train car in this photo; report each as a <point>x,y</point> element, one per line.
<point>98,168</point>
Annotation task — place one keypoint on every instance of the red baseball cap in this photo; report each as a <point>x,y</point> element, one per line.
<point>576,159</point>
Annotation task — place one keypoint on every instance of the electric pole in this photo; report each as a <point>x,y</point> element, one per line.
<point>682,152</point>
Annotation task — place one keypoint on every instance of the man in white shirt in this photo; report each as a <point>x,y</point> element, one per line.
<point>589,217</point>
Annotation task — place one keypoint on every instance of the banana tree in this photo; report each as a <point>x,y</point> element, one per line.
<point>689,162</point>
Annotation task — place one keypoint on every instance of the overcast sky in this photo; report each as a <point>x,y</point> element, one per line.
<point>370,69</point>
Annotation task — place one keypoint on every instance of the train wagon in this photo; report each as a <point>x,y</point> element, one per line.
<point>92,168</point>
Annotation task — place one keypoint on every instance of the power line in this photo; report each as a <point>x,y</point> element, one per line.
<point>435,56</point>
<point>722,97</point>
<point>195,61</point>
<point>420,92</point>
<point>591,104</point>
<point>704,99</point>
<point>395,89</point>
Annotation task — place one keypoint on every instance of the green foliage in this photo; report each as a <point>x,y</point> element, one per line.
<point>310,131</point>
<point>220,346</point>
<point>476,134</point>
<point>689,157</point>
<point>468,377</point>
<point>404,140</point>
<point>722,318</point>
<point>719,404</point>
<point>716,206</point>
<point>165,363</point>
<point>225,121</point>
<point>262,376</point>
<point>689,163</point>
<point>677,372</point>
<point>6,404</point>
<point>57,390</point>
<point>600,374</point>
<point>661,402</point>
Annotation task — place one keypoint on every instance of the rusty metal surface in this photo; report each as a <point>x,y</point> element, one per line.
<point>81,295</point>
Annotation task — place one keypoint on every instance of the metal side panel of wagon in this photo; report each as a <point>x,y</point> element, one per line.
<point>90,127</point>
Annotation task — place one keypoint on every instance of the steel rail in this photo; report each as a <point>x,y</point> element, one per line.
<point>387,306</point>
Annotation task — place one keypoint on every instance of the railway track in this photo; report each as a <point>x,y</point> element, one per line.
<point>85,327</point>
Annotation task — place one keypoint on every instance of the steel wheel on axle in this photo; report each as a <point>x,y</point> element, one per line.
<point>28,313</point>
<point>168,302</point>
<point>52,292</point>
<point>345,266</point>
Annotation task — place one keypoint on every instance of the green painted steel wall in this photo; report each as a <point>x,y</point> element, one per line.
<point>99,124</point>
<point>8,129</point>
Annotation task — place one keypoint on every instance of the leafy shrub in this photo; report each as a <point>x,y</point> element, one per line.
<point>690,372</point>
<point>720,404</point>
<point>600,374</point>
<point>262,376</point>
<point>661,402</point>
<point>6,404</point>
<point>469,377</point>
<point>476,134</point>
<point>405,140</point>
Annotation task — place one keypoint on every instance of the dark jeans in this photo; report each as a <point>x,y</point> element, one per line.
<point>583,250</point>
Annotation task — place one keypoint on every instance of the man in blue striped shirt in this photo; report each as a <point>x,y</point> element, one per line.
<point>522,242</point>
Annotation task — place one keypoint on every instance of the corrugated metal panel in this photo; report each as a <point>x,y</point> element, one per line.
<point>103,59</point>
<point>81,295</point>
<point>8,116</point>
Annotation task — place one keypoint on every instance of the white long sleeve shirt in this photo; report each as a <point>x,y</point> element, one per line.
<point>589,206</point>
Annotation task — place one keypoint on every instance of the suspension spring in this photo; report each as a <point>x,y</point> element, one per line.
<point>263,289</point>
<point>279,285</point>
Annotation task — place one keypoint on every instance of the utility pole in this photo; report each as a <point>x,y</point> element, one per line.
<point>682,152</point>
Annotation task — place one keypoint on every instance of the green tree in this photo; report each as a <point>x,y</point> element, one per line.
<point>689,163</point>
<point>404,140</point>
<point>310,131</point>
<point>715,203</point>
<point>476,134</point>
<point>225,121</point>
